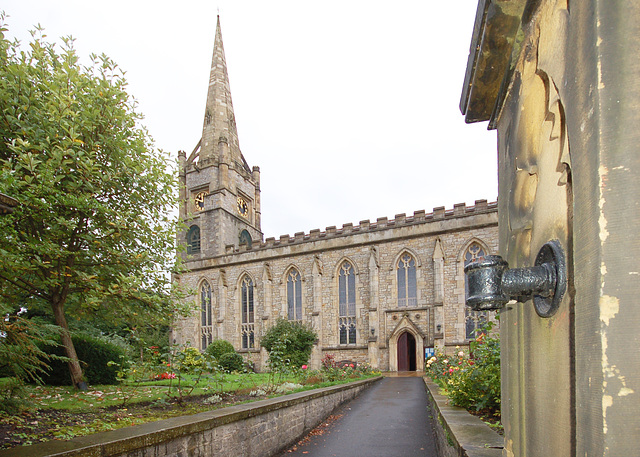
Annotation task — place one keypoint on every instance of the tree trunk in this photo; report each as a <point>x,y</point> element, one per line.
<point>74,364</point>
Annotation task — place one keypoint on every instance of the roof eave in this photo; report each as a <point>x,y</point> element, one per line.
<point>494,46</point>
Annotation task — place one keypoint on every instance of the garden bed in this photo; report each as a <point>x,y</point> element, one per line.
<point>61,413</point>
<point>257,429</point>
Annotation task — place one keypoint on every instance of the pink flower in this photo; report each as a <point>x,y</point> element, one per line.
<point>304,367</point>
<point>351,365</point>
<point>450,370</point>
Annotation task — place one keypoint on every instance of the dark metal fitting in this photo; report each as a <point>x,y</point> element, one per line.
<point>491,284</point>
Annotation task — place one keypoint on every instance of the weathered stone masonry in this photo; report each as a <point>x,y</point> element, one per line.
<point>373,250</point>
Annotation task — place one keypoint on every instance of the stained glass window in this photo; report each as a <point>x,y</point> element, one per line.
<point>247,311</point>
<point>347,303</point>
<point>294,295</point>
<point>407,284</point>
<point>206,319</point>
<point>193,240</point>
<point>474,320</point>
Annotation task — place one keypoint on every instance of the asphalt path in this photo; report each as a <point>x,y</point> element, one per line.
<point>390,419</point>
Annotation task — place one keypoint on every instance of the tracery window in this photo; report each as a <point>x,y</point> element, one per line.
<point>347,303</point>
<point>474,320</point>
<point>206,318</point>
<point>193,240</point>
<point>407,286</point>
<point>247,311</point>
<point>294,295</point>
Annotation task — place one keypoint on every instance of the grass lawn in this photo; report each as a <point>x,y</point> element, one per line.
<point>64,413</point>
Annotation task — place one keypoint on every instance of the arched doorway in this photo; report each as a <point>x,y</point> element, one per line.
<point>406,352</point>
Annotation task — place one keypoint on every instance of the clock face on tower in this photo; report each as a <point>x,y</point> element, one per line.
<point>243,207</point>
<point>198,200</point>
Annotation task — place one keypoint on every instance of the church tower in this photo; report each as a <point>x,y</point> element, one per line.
<point>220,193</point>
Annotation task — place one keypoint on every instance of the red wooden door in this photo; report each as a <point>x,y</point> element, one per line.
<point>403,353</point>
<point>406,352</point>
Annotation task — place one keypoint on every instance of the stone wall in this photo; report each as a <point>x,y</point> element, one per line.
<point>258,429</point>
<point>458,433</point>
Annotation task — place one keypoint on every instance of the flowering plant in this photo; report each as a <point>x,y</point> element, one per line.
<point>166,375</point>
<point>471,381</point>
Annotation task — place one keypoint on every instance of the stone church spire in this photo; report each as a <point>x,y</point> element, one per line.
<point>219,133</point>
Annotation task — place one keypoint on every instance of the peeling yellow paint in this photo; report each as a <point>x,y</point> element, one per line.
<point>602,221</point>
<point>600,83</point>
<point>508,448</point>
<point>609,307</point>
<point>603,269</point>
<point>625,391</point>
<point>607,401</point>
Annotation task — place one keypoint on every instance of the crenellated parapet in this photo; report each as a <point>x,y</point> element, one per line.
<point>459,210</point>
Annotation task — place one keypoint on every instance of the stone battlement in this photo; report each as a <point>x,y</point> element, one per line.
<point>382,223</point>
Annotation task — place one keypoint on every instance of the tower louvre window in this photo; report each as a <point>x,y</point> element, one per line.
<point>474,320</point>
<point>407,284</point>
<point>247,311</point>
<point>347,303</point>
<point>294,295</point>
<point>245,238</point>
<point>193,240</point>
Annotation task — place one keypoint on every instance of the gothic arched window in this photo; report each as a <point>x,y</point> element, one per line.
<point>347,303</point>
<point>245,238</point>
<point>206,315</point>
<point>247,311</point>
<point>407,285</point>
<point>193,240</point>
<point>474,320</point>
<point>294,295</point>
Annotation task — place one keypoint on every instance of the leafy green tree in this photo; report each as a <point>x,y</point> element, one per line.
<point>94,234</point>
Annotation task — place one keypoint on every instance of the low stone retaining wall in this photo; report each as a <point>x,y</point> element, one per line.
<point>259,429</point>
<point>458,433</point>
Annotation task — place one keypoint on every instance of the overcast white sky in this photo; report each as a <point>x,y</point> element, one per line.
<point>349,108</point>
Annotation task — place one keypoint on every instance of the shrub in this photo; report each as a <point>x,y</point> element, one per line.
<point>94,354</point>
<point>231,361</point>
<point>188,360</point>
<point>21,342</point>
<point>219,347</point>
<point>471,382</point>
<point>297,341</point>
<point>13,396</point>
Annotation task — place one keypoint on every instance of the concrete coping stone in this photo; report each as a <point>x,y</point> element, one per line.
<point>470,435</point>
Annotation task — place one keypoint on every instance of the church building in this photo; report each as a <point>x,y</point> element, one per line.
<point>382,293</point>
